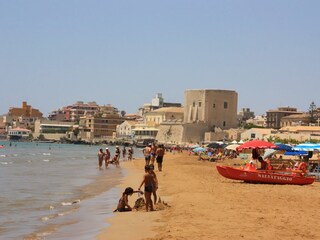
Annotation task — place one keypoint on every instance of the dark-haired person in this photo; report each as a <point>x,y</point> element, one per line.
<point>263,164</point>
<point>123,205</point>
<point>100,158</point>
<point>156,183</point>
<point>149,185</point>
<point>160,153</point>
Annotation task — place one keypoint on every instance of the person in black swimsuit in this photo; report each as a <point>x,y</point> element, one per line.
<point>149,186</point>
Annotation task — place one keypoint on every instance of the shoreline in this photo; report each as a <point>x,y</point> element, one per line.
<point>205,205</point>
<point>130,225</point>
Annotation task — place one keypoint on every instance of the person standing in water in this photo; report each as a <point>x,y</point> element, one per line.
<point>100,158</point>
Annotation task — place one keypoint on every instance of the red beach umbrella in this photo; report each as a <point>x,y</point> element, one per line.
<point>256,144</point>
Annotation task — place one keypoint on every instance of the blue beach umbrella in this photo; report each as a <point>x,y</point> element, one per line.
<point>307,147</point>
<point>199,149</point>
<point>284,147</point>
<point>295,153</point>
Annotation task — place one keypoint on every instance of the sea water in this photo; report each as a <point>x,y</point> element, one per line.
<point>55,191</point>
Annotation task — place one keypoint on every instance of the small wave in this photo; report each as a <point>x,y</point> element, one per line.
<point>70,203</point>
<point>46,154</point>
<point>46,160</point>
<point>3,155</point>
<point>4,163</point>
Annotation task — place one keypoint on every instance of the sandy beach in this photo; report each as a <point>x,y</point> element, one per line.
<point>205,205</point>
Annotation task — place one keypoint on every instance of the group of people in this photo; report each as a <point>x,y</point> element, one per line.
<point>106,156</point>
<point>152,154</point>
<point>150,183</point>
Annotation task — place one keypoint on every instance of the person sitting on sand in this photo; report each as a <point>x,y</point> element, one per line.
<point>123,205</point>
<point>149,185</point>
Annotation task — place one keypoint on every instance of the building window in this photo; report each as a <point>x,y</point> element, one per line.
<point>253,135</point>
<point>214,105</point>
<point>224,123</point>
<point>193,104</point>
<point>225,105</point>
<point>199,104</point>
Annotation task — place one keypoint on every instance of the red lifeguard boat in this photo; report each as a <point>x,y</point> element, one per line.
<point>251,174</point>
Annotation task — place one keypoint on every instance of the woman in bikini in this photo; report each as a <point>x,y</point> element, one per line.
<point>123,205</point>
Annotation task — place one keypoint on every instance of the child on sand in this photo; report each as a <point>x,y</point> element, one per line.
<point>123,205</point>
<point>156,183</point>
<point>149,185</point>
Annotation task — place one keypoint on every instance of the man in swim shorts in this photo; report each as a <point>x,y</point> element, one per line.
<point>147,153</point>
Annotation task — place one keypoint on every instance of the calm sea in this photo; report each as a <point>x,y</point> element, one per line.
<point>55,191</point>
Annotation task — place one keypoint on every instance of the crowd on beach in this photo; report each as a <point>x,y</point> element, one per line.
<point>106,156</point>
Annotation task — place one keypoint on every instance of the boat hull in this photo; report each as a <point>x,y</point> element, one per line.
<point>257,176</point>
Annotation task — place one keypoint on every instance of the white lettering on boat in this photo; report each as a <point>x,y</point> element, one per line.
<point>275,177</point>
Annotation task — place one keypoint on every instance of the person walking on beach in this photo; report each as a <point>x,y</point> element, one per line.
<point>153,152</point>
<point>118,153</point>
<point>149,185</point>
<point>100,158</point>
<point>130,153</point>
<point>147,153</point>
<point>156,183</point>
<point>124,152</point>
<point>123,205</point>
<point>160,153</point>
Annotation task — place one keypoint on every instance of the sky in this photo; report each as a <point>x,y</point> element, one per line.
<point>123,52</point>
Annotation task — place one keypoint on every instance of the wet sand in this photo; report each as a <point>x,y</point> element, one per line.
<point>205,205</point>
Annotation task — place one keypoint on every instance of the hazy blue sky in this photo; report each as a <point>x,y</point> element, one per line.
<point>54,53</point>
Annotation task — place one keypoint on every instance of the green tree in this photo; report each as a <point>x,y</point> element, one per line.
<point>313,112</point>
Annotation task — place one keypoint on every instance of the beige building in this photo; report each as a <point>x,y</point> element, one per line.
<point>274,116</point>
<point>125,129</point>
<point>257,133</point>
<point>215,108</point>
<point>145,131</point>
<point>258,121</point>
<point>164,114</point>
<point>302,119</point>
<point>100,127</point>
<point>52,130</point>
<point>206,110</point>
